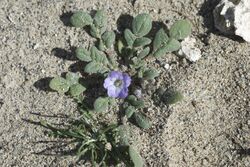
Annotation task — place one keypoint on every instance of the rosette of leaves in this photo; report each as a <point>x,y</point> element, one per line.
<point>137,46</point>
<point>98,27</point>
<point>164,43</point>
<point>68,84</point>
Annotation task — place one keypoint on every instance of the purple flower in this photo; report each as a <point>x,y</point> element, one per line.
<point>117,84</point>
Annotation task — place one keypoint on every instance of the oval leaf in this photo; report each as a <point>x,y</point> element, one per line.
<point>180,29</point>
<point>130,111</point>
<point>139,42</point>
<point>72,78</point>
<point>83,55</point>
<point>76,90</point>
<point>108,38</point>
<point>81,19</point>
<point>123,132</point>
<point>144,53</point>
<point>100,21</point>
<point>171,46</point>
<point>150,74</point>
<point>135,157</point>
<point>161,38</point>
<point>93,67</point>
<point>129,37</point>
<point>59,84</point>
<point>141,120</point>
<point>142,24</point>
<point>171,97</point>
<point>101,104</point>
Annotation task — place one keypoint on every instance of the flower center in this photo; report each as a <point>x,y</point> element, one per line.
<point>118,83</point>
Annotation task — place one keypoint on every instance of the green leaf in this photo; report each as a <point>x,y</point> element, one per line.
<point>150,74</point>
<point>144,53</point>
<point>72,78</point>
<point>98,56</point>
<point>120,46</point>
<point>95,32</point>
<point>180,29</point>
<point>141,25</point>
<point>134,102</point>
<point>76,90</point>
<point>108,38</point>
<point>81,19</point>
<point>141,120</point>
<point>93,67</point>
<point>139,42</point>
<point>130,111</point>
<point>101,104</point>
<point>123,132</point>
<point>137,63</point>
<point>135,157</point>
<point>100,21</point>
<point>59,84</point>
<point>171,46</point>
<point>171,97</point>
<point>129,37</point>
<point>83,55</point>
<point>161,38</point>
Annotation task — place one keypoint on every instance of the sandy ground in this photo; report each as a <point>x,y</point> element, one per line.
<point>211,127</point>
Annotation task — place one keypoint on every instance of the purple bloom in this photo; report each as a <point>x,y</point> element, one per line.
<point>117,84</point>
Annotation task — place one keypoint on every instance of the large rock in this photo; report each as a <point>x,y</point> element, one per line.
<point>233,17</point>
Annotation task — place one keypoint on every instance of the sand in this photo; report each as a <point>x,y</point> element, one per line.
<point>210,127</point>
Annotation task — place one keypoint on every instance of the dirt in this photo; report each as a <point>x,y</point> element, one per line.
<point>210,127</point>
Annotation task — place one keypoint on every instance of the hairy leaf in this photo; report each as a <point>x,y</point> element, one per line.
<point>93,67</point>
<point>72,78</point>
<point>144,53</point>
<point>142,24</point>
<point>98,56</point>
<point>135,157</point>
<point>130,111</point>
<point>81,19</point>
<point>76,90</point>
<point>129,37</point>
<point>180,29</point>
<point>83,55</point>
<point>123,132</point>
<point>108,38</point>
<point>141,120</point>
<point>135,102</point>
<point>171,46</point>
<point>171,97</point>
<point>59,84</point>
<point>161,38</point>
<point>95,32</point>
<point>100,21</point>
<point>150,74</point>
<point>139,42</point>
<point>101,104</point>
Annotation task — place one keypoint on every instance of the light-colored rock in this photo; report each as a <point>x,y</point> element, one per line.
<point>189,51</point>
<point>233,17</point>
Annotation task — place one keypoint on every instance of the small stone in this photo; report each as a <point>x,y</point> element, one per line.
<point>167,66</point>
<point>189,51</point>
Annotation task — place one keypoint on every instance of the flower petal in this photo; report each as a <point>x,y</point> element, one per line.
<point>108,82</point>
<point>113,91</point>
<point>123,93</point>
<point>116,75</point>
<point>126,79</point>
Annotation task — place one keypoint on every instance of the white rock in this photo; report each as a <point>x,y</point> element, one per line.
<point>233,17</point>
<point>189,51</point>
<point>167,66</point>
